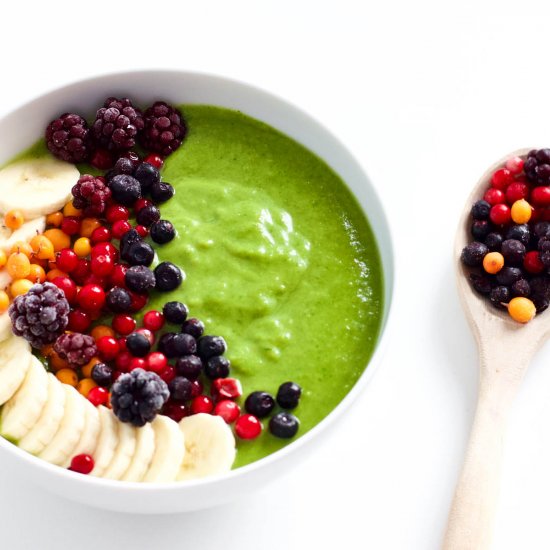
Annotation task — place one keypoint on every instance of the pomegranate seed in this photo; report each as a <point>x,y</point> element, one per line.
<point>540,196</point>
<point>196,388</point>
<point>141,203</point>
<point>118,276</point>
<point>228,410</point>
<point>248,427</point>
<point>79,321</point>
<point>175,411</point>
<point>102,159</point>
<point>81,271</point>
<point>517,191</point>
<point>68,286</point>
<point>153,320</point>
<point>82,464</point>
<point>116,213</point>
<point>500,214</point>
<point>139,301</point>
<point>515,165</point>
<point>70,225</point>
<point>123,360</point>
<point>98,396</point>
<point>155,160</point>
<point>501,178</point>
<point>156,361</point>
<point>532,262</point>
<point>120,227</point>
<point>142,231</point>
<point>148,334</point>
<point>91,297</point>
<point>137,363</point>
<point>494,196</point>
<point>100,235</point>
<point>226,388</point>
<point>123,324</point>
<point>202,404</point>
<point>66,260</point>
<point>168,374</point>
<point>107,347</point>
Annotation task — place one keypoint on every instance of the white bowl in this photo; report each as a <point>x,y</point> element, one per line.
<point>22,127</point>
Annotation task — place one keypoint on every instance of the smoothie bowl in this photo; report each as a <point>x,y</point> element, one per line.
<point>191,293</point>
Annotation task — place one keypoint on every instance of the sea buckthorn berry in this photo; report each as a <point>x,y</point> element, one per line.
<point>67,376</point>
<point>58,238</point>
<point>248,427</point>
<point>3,259</point>
<point>532,262</point>
<point>70,225</point>
<point>85,385</point>
<point>20,286</point>
<point>42,247</point>
<point>18,265</point>
<point>70,210</point>
<point>79,321</point>
<point>493,262</point>
<point>37,274</point>
<point>521,309</point>
<point>98,396</point>
<point>53,273</point>
<point>88,368</point>
<point>202,404</point>
<point>68,286</point>
<point>14,219</point>
<point>228,410</point>
<point>500,214</point>
<point>54,219</point>
<point>101,235</point>
<point>82,464</point>
<point>514,165</point>
<point>517,191</point>
<point>540,196</point>
<point>119,228</point>
<point>117,212</point>
<point>521,211</point>
<point>123,324</point>
<point>57,362</point>
<point>91,297</point>
<point>501,178</point>
<point>153,320</point>
<point>156,361</point>
<point>494,196</point>
<point>154,160</point>
<point>82,247</point>
<point>88,226</point>
<point>4,301</point>
<point>101,330</point>
<point>108,347</point>
<point>66,260</point>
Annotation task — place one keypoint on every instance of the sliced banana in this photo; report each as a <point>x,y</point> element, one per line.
<point>209,446</point>
<point>90,435</point>
<point>145,449</point>
<point>169,451</point>
<point>22,411</point>
<point>47,425</point>
<point>107,442</point>
<point>61,447</point>
<point>36,187</point>
<point>5,330</point>
<point>25,233</point>
<point>15,360</point>
<point>124,452</point>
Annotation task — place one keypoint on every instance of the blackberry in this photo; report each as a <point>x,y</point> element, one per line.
<point>140,253</point>
<point>500,296</point>
<point>40,315</point>
<point>473,254</point>
<point>537,166</point>
<point>513,252</point>
<point>189,366</point>
<point>521,288</point>
<point>194,327</point>
<point>147,175</point>
<point>209,346</point>
<point>520,233</point>
<point>139,278</point>
<point>288,395</point>
<point>168,276</point>
<point>260,404</point>
<point>162,231</point>
<point>78,349</point>
<point>480,229</point>
<point>125,189</point>
<point>118,300</point>
<point>67,138</point>
<point>284,425</point>
<point>90,195</point>
<point>148,215</point>
<point>480,210</point>
<point>544,249</point>
<point>102,375</point>
<point>175,312</point>
<point>481,283</point>
<point>138,344</point>
<point>507,276</point>
<point>217,367</point>
<point>161,192</point>
<point>117,124</point>
<point>494,241</point>
<point>164,129</point>
<point>181,388</point>
<point>138,396</point>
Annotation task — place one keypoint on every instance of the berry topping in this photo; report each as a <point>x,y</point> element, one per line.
<point>67,138</point>
<point>209,346</point>
<point>153,320</point>
<point>537,166</point>
<point>102,375</point>
<point>194,327</point>
<point>138,344</point>
<point>228,410</point>
<point>226,388</point>
<point>98,396</point>
<point>82,464</point>
<point>139,278</point>
<point>140,253</point>
<point>175,312</point>
<point>189,366</point>
<point>90,195</point>
<point>147,175</point>
<point>125,189</point>
<point>118,300</point>
<point>167,276</point>
<point>202,404</point>
<point>480,210</point>
<point>164,129</point>
<point>288,395</point>
<point>473,254</point>
<point>284,425</point>
<point>76,348</point>
<point>248,427</point>
<point>162,231</point>
<point>181,389</point>
<point>148,215</point>
<point>217,367</point>
<point>260,404</point>
<point>161,192</point>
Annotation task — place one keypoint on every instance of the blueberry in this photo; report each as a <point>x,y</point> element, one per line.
<point>259,403</point>
<point>181,388</point>
<point>139,278</point>
<point>480,210</point>
<point>473,254</point>
<point>542,229</point>
<point>194,327</point>
<point>162,231</point>
<point>288,395</point>
<point>210,346</point>
<point>521,288</point>
<point>148,215</point>
<point>493,241</point>
<point>500,295</point>
<point>147,175</point>
<point>125,189</point>
<point>217,367</point>
<point>507,276</point>
<point>140,253</point>
<point>138,344</point>
<point>513,252</point>
<point>189,366</point>
<point>102,375</point>
<point>481,283</point>
<point>480,229</point>
<point>175,312</point>
<point>128,239</point>
<point>168,276</point>
<point>519,233</point>
<point>182,344</point>
<point>118,300</point>
<point>161,192</point>
<point>284,425</point>
<point>164,342</point>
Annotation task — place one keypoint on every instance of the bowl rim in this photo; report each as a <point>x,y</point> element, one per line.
<point>388,286</point>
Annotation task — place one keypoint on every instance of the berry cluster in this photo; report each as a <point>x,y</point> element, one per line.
<point>510,253</point>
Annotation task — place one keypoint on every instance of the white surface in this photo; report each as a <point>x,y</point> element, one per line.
<point>427,96</point>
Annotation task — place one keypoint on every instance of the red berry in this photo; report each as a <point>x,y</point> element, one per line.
<point>70,225</point>
<point>202,404</point>
<point>147,333</point>
<point>168,374</point>
<point>108,347</point>
<point>153,320</point>
<point>82,464</point>
<point>123,360</point>
<point>79,321</point>
<point>176,411</point>
<point>122,343</point>
<point>155,160</point>
<point>102,159</point>
<point>226,388</point>
<point>117,212</point>
<point>540,196</point>
<point>501,178</point>
<point>515,165</point>
<point>156,361</point>
<point>91,297</point>
<point>93,279</point>
<point>116,375</point>
<point>68,286</point>
<point>98,396</point>
<point>532,262</point>
<point>248,427</point>
<point>142,231</point>
<point>545,214</point>
<point>102,266</point>
<point>196,388</point>
<point>494,196</point>
<point>123,324</point>
<point>66,260</point>
<point>137,363</point>
<point>120,227</point>
<point>517,191</point>
<point>100,235</point>
<point>81,271</point>
<point>118,275</point>
<point>141,203</point>
<point>139,301</point>
<point>500,214</point>
<point>133,156</point>
<point>228,410</point>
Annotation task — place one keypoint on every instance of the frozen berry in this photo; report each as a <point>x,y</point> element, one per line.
<point>140,253</point>
<point>209,346</point>
<point>226,388</point>
<point>91,297</point>
<point>194,327</point>
<point>480,210</point>
<point>480,229</point>
<point>82,464</point>
<point>155,160</point>
<point>148,215</point>
<point>118,300</point>
<point>532,262</point>
<point>217,367</point>
<point>153,320</point>
<point>517,191</point>
<point>182,344</point>
<point>139,278</point>
<point>537,166</point>
<point>108,347</point>
<point>123,324</point>
<point>161,192</point>
<point>202,404</point>
<point>284,425</point>
<point>164,129</point>
<point>513,251</point>
<point>494,196</point>
<point>68,286</point>
<point>101,235</point>
<point>125,189</point>
<point>127,240</point>
<point>67,138</point>
<point>175,312</point>
<point>288,395</point>
<point>138,345</point>
<point>156,361</point>
<point>102,159</point>
<point>228,410</point>
<point>79,321</point>
<point>500,214</point>
<point>117,212</point>
<point>493,241</point>
<point>260,404</point>
<point>502,178</point>
<point>520,233</point>
<point>473,253</point>
<point>76,348</point>
<point>500,295</point>
<point>66,260</point>
<point>98,396</point>
<point>540,196</point>
<point>164,342</point>
<point>189,366</point>
<point>481,283</point>
<point>175,411</point>
<point>162,231</point>
<point>90,195</point>
<point>180,389</point>
<point>147,175</point>
<point>248,427</point>
<point>167,276</point>
<point>507,276</point>
<point>521,288</point>
<point>120,228</point>
<point>102,375</point>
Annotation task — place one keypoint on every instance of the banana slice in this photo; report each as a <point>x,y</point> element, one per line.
<point>107,442</point>
<point>36,187</point>
<point>45,429</point>
<point>209,446</point>
<point>145,449</point>
<point>90,435</point>
<point>124,452</point>
<point>61,447</point>
<point>15,360</point>
<point>169,451</point>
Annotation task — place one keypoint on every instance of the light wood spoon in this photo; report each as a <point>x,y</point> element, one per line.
<point>505,351</point>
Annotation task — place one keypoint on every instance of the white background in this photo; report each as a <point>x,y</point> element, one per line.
<point>426,94</point>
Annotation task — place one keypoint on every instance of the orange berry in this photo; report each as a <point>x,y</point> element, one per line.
<point>521,309</point>
<point>42,247</point>
<point>3,259</point>
<point>37,274</point>
<point>521,211</point>
<point>18,265</point>
<point>54,219</point>
<point>82,247</point>
<point>85,385</point>
<point>101,330</point>
<point>88,225</point>
<point>22,246</point>
<point>14,219</point>
<point>51,275</point>
<point>58,363</point>
<point>87,368</point>
<point>70,210</point>
<point>4,301</point>
<point>47,350</point>
<point>67,376</point>
<point>20,286</point>
<point>59,239</point>
<point>493,262</point>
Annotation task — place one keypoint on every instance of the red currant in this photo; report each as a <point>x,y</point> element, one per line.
<point>156,361</point>
<point>102,159</point>
<point>494,196</point>
<point>515,165</point>
<point>517,191</point>
<point>120,227</point>
<point>82,464</point>
<point>70,225</point>
<point>226,388</point>
<point>202,404</point>
<point>501,178</point>
<point>139,301</point>
<point>117,212</point>
<point>91,297</point>
<point>79,321</point>
<point>81,271</point>
<point>98,396</point>
<point>118,276</point>
<point>123,324</point>
<point>137,363</point>
<point>107,347</point>
<point>66,260</point>
<point>228,410</point>
<point>141,203</point>
<point>500,214</point>
<point>100,235</point>
<point>155,160</point>
<point>122,343</point>
<point>532,262</point>
<point>68,286</point>
<point>168,374</point>
<point>142,231</point>
<point>176,411</point>
<point>248,427</point>
<point>102,266</point>
<point>123,360</point>
<point>540,196</point>
<point>153,320</point>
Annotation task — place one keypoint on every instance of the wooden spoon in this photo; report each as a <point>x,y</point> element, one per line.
<point>505,351</point>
